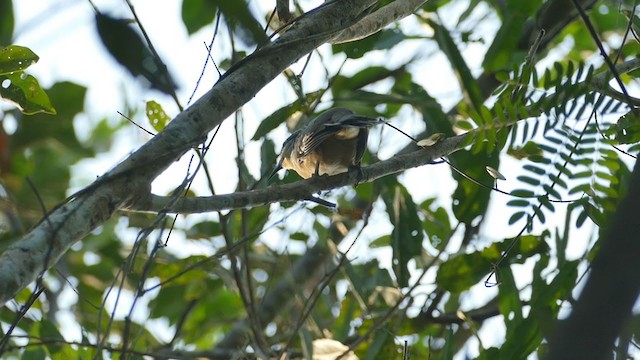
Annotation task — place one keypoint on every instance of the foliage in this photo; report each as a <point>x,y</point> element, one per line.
<point>396,261</point>
<point>17,86</point>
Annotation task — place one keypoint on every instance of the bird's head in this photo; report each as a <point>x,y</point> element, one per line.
<point>284,160</point>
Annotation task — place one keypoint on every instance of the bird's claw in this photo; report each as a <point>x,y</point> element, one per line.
<point>356,174</point>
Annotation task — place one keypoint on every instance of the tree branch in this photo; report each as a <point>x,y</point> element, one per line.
<point>299,190</point>
<point>23,260</point>
<point>478,315</point>
<point>377,20</point>
<point>304,189</point>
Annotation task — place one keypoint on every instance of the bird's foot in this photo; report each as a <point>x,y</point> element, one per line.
<point>322,202</point>
<point>356,174</point>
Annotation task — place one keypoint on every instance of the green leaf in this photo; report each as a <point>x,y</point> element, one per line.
<point>372,98</point>
<point>527,150</point>
<point>349,310</point>
<point>515,217</point>
<point>546,296</point>
<point>6,22</point>
<point>275,119</point>
<point>464,125</point>
<point>197,14</point>
<point>518,203</point>
<point>16,58</point>
<point>509,301</point>
<point>529,245</point>
<point>407,234</point>
<point>437,224</point>
<point>594,214</point>
<point>306,340</point>
<point>388,39</point>
<point>25,92</point>
<point>342,85</point>
<point>102,134</point>
<point>128,48</point>
<point>36,128</point>
<point>203,230</point>
<point>529,180</point>
<point>501,54</point>
<point>471,200</point>
<point>627,130</point>
<point>382,40</point>
<point>505,49</point>
<point>461,272</point>
<point>169,303</point>
<point>382,241</point>
<point>243,23</point>
<point>281,115</point>
<point>268,157</point>
<point>49,332</point>
<point>44,146</point>
<point>366,278</point>
<point>34,353</point>
<point>300,236</point>
<point>522,193</point>
<point>379,347</point>
<point>156,115</point>
<point>295,82</point>
<point>468,83</point>
<point>523,339</point>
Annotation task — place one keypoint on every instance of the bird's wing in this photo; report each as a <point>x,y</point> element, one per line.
<point>340,122</point>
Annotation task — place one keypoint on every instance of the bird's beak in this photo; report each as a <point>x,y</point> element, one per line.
<point>277,168</point>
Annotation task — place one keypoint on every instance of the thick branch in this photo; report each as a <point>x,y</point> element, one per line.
<point>299,190</point>
<point>377,20</point>
<point>93,206</point>
<point>43,246</point>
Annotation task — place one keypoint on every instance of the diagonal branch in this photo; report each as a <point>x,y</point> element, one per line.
<point>23,261</point>
<point>299,190</point>
<point>377,20</point>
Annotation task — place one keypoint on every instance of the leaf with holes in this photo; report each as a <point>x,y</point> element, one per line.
<point>156,115</point>
<point>16,58</point>
<point>25,92</point>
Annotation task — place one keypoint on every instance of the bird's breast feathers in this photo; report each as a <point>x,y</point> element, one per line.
<point>347,133</point>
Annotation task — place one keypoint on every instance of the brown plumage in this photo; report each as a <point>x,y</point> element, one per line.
<point>330,144</point>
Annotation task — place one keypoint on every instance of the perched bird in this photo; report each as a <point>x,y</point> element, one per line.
<point>330,144</point>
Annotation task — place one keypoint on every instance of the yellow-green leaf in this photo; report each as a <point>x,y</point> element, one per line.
<point>156,115</point>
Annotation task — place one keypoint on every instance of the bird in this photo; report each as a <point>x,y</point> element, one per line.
<point>330,144</point>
